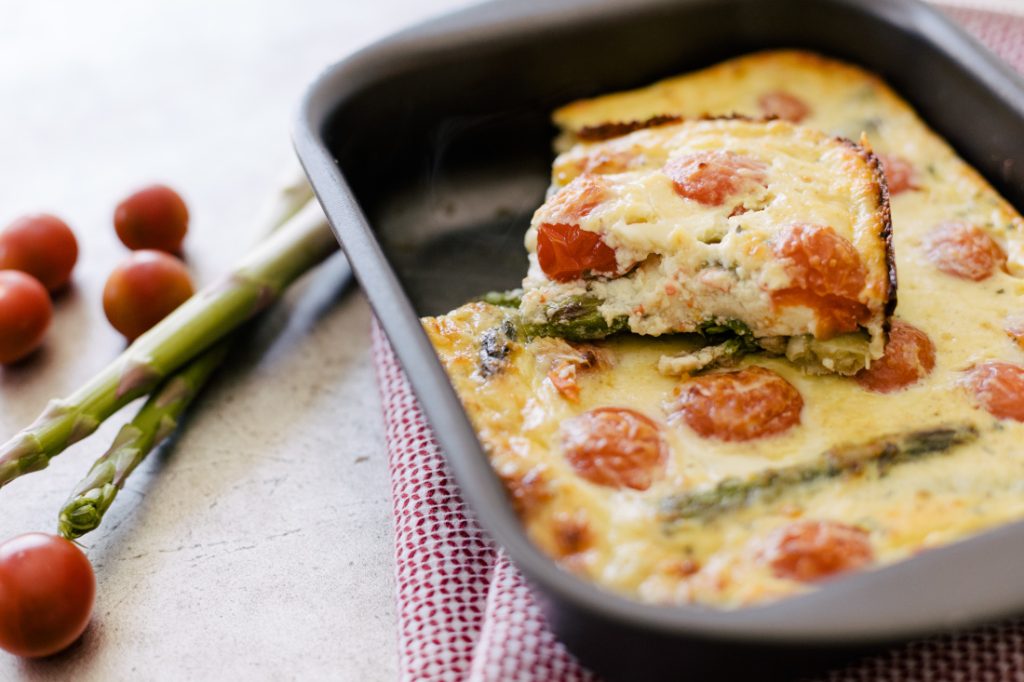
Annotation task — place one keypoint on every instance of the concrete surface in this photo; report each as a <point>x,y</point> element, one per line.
<point>258,545</point>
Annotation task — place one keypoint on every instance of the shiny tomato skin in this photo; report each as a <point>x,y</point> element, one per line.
<point>47,588</point>
<point>154,217</point>
<point>964,250</point>
<point>900,175</point>
<point>41,245</point>
<point>783,105</point>
<point>998,388</point>
<point>711,177</point>
<point>909,357</point>
<point>615,447</point>
<point>143,290</point>
<point>737,406</point>
<point>809,551</point>
<point>25,314</point>
<point>826,275</point>
<point>567,252</point>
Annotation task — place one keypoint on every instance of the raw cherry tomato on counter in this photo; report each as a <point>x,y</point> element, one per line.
<point>47,588</point>
<point>909,357</point>
<point>25,314</point>
<point>41,245</point>
<point>143,290</point>
<point>155,217</point>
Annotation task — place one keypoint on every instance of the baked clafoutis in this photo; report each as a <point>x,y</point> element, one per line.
<point>705,391</point>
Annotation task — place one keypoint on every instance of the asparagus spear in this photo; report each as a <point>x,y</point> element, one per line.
<point>157,419</point>
<point>202,320</point>
<point>880,453</point>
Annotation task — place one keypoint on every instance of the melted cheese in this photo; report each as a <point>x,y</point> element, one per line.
<point>699,262</point>
<point>618,538</point>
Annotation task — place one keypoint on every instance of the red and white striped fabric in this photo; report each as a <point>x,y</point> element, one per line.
<point>464,611</point>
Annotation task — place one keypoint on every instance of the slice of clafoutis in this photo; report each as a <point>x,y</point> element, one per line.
<point>761,235</point>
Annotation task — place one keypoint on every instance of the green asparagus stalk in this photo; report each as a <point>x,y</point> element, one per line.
<point>200,322</point>
<point>881,453</point>
<point>157,419</point>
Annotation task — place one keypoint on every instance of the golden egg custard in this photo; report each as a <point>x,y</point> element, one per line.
<point>686,225</point>
<point>744,483</point>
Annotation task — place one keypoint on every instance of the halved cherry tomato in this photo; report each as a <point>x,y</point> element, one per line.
<point>738,406</point>
<point>899,173</point>
<point>909,357</point>
<point>567,252</point>
<point>998,388</point>
<point>41,245</point>
<point>46,594</point>
<point>614,447</point>
<point>784,105</point>
<point>575,201</point>
<point>964,250</point>
<point>711,177</point>
<point>827,275</point>
<point>812,550</point>
<point>1015,328</point>
<point>25,314</point>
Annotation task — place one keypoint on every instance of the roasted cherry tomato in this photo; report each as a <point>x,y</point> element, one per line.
<point>41,245</point>
<point>784,105</point>
<point>909,357</point>
<point>25,313</point>
<point>710,178</point>
<point>899,173</point>
<point>614,447</point>
<point>827,275</point>
<point>46,594</point>
<point>998,387</point>
<point>566,253</point>
<point>155,217</point>
<point>143,290</point>
<point>811,550</point>
<point>575,201</point>
<point>738,406</point>
<point>964,250</point>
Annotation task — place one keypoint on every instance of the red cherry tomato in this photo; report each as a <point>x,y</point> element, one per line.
<point>614,447</point>
<point>964,250</point>
<point>46,594</point>
<point>899,173</point>
<point>710,178</point>
<point>25,313</point>
<point>42,246</point>
<point>566,253</point>
<point>739,406</point>
<point>909,357</point>
<point>143,290</point>
<point>155,217</point>
<point>998,388</point>
<point>784,105</point>
<point>811,550</point>
<point>575,201</point>
<point>826,275</point>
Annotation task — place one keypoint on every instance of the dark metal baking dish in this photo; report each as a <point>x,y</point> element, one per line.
<point>430,151</point>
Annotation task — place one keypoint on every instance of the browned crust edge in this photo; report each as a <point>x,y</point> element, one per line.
<point>613,129</point>
<point>885,210</point>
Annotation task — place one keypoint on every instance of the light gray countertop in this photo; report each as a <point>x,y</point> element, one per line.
<point>258,545</point>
